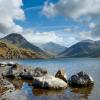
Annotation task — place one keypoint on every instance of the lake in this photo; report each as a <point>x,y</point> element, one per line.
<point>71,66</point>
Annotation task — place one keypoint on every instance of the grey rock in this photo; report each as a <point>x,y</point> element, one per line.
<point>26,75</point>
<point>39,72</point>
<point>18,71</point>
<point>49,82</point>
<point>61,74</point>
<point>81,79</point>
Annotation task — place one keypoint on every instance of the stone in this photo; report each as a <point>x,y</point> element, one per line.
<point>61,74</point>
<point>39,72</point>
<point>17,71</point>
<point>81,79</point>
<point>5,85</point>
<point>49,82</point>
<point>29,73</point>
<point>26,75</point>
<point>3,64</point>
<point>12,71</point>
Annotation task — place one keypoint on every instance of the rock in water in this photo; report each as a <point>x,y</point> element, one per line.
<point>26,75</point>
<point>49,82</point>
<point>61,74</point>
<point>81,79</point>
<point>39,72</point>
<point>12,71</point>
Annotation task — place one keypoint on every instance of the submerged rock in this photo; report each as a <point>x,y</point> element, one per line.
<point>61,74</point>
<point>81,79</point>
<point>49,82</point>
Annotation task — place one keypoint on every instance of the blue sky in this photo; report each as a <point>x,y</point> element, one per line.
<point>61,21</point>
<point>35,18</point>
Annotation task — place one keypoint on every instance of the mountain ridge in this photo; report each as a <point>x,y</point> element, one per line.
<point>9,51</point>
<point>52,48</point>
<point>84,48</point>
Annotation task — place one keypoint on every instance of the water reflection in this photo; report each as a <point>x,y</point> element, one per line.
<point>70,93</point>
<point>84,91</point>
<point>41,92</point>
<point>71,66</point>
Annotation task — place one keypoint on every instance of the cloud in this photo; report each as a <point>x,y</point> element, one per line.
<point>34,8</point>
<point>67,30</point>
<point>96,32</point>
<point>92,25</point>
<point>9,12</point>
<point>49,9</point>
<point>42,37</point>
<point>85,35</point>
<point>84,10</point>
<point>72,8</point>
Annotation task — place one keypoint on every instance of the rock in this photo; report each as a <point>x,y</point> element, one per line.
<point>39,72</point>
<point>18,71</point>
<point>49,82</point>
<point>12,71</point>
<point>5,85</point>
<point>3,64</point>
<point>29,73</point>
<point>61,74</point>
<point>26,76</point>
<point>81,79</point>
<point>8,72</point>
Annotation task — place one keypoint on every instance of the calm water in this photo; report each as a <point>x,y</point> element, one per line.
<point>71,66</point>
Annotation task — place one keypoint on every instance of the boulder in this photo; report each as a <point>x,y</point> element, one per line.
<point>49,82</point>
<point>39,72</point>
<point>3,64</point>
<point>12,71</point>
<point>26,75</point>
<point>81,79</point>
<point>29,73</point>
<point>61,74</point>
<point>8,72</point>
<point>18,71</point>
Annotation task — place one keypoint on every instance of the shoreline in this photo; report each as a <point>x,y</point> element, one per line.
<point>28,78</point>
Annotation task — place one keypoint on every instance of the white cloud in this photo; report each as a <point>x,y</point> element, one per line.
<point>96,31</point>
<point>42,37</point>
<point>86,10</point>
<point>67,30</point>
<point>72,8</point>
<point>85,35</point>
<point>49,9</point>
<point>10,11</point>
<point>92,25</point>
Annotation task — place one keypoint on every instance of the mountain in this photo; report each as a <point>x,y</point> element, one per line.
<point>85,48</point>
<point>53,48</point>
<point>9,51</point>
<point>19,41</point>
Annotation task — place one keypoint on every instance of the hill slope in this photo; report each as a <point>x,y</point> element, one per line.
<point>85,48</point>
<point>19,41</point>
<point>8,51</point>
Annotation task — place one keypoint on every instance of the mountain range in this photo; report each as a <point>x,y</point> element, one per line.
<point>53,48</point>
<point>15,46</point>
<point>85,48</point>
<point>18,41</point>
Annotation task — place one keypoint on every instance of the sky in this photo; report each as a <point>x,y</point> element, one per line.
<point>65,22</point>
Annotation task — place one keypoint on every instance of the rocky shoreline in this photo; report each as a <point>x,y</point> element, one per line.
<point>40,79</point>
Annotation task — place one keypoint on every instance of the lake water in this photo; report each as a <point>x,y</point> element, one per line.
<point>71,66</point>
